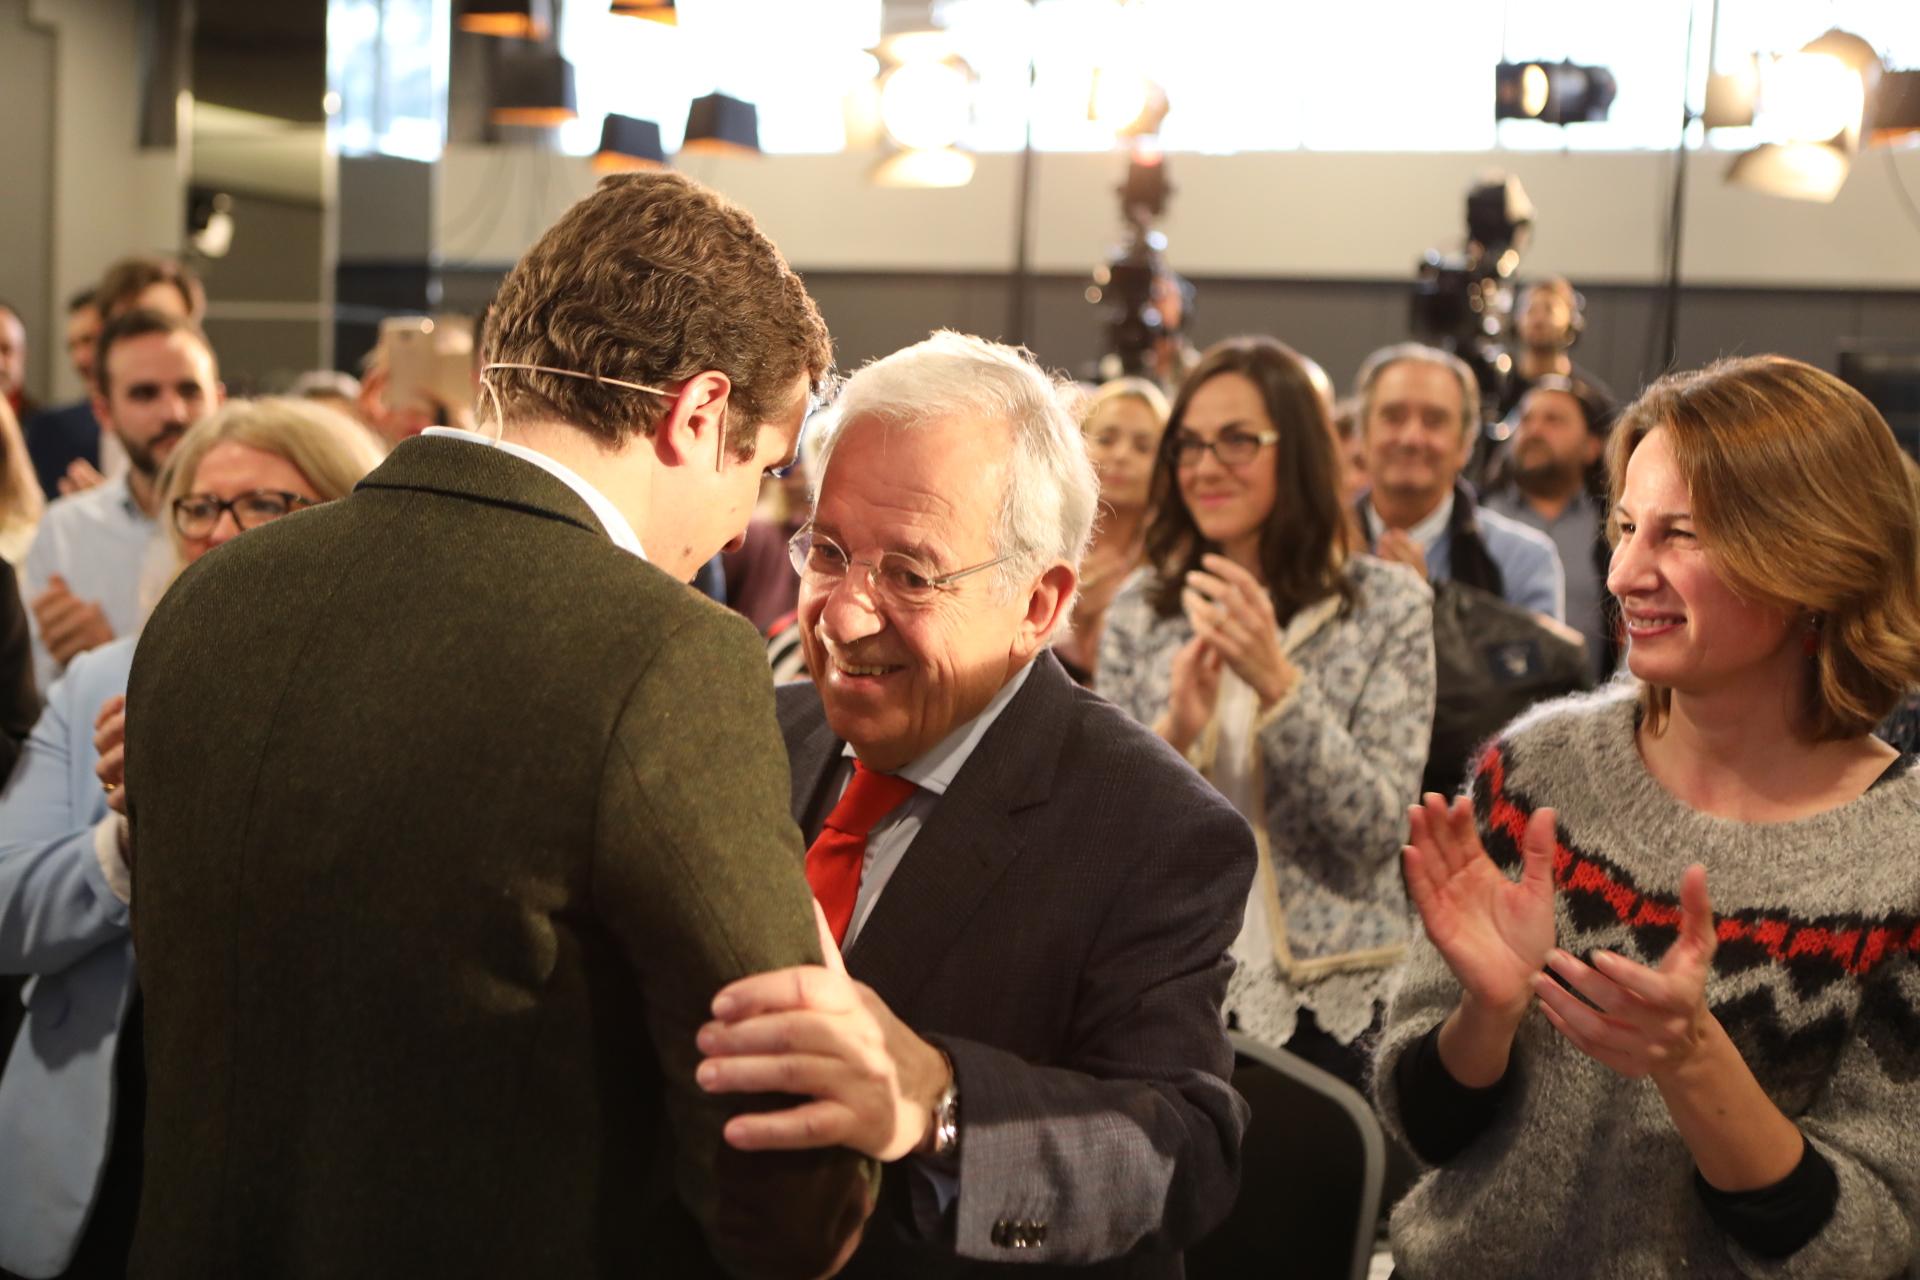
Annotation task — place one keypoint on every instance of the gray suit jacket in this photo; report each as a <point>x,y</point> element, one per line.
<point>1059,926</point>
<point>449,819</point>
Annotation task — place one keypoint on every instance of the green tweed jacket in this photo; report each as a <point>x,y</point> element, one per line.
<point>449,818</point>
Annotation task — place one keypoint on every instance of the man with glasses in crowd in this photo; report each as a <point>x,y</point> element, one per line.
<point>453,807</point>
<point>1030,896</point>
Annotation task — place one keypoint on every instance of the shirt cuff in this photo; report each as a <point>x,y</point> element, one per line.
<point>1777,1221</point>
<point>1442,1117</point>
<point>107,834</point>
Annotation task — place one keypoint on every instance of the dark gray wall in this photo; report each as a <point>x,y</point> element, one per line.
<point>1337,322</point>
<point>266,318</point>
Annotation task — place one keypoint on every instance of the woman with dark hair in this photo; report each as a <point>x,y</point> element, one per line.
<point>1612,1072</point>
<point>1296,675</point>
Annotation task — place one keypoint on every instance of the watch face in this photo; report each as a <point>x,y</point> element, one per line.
<point>946,1122</point>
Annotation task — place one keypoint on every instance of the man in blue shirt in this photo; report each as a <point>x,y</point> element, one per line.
<point>1419,413</point>
<point>82,578</point>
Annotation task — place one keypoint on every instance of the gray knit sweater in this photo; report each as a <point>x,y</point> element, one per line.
<point>1582,1173</point>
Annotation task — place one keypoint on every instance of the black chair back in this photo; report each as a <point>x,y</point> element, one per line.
<point>1311,1169</point>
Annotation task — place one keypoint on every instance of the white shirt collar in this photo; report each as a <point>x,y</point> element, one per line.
<point>616,525</point>
<point>939,766</point>
<point>1425,533</point>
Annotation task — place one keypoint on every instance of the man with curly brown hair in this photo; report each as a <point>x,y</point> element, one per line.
<point>454,808</point>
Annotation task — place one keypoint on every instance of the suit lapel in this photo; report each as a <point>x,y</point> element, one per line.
<point>813,757</point>
<point>967,842</point>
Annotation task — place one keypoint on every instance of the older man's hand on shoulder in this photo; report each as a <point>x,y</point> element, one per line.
<point>814,1031</point>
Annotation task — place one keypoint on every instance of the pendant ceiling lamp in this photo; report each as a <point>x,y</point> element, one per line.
<point>628,144</point>
<point>723,124</point>
<point>533,88</point>
<point>662,11</point>
<point>522,20</point>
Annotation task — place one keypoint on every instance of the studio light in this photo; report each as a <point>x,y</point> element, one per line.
<point>1127,103</point>
<point>661,11</point>
<point>209,222</point>
<point>533,88</point>
<point>1798,170</point>
<point>627,144</point>
<point>718,123</point>
<point>1552,92</point>
<point>524,20</point>
<point>926,105</point>
<point>1812,97</point>
<point>924,167</point>
<point>1813,102</point>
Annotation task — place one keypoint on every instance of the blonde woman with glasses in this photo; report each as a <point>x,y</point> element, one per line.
<point>71,1093</point>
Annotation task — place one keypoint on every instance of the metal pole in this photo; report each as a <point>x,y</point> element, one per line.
<point>1018,309</point>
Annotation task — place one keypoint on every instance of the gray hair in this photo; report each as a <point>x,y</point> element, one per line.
<point>1046,514</point>
<point>1419,353</point>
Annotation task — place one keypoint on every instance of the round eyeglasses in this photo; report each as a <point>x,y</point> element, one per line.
<point>895,578</point>
<point>196,514</point>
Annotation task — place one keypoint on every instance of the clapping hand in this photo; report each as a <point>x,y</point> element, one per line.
<point>1194,691</point>
<point>1233,613</point>
<point>81,475</point>
<point>69,626</point>
<point>1398,546</point>
<point>812,1030</point>
<point>1639,1021</point>
<point>1494,933</point>
<point>110,741</point>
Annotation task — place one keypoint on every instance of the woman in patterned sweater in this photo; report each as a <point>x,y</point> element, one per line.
<point>1298,677</point>
<point>1615,1073</point>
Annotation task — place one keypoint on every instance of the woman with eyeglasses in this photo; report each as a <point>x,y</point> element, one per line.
<point>1123,422</point>
<point>1297,676</point>
<point>70,1094</point>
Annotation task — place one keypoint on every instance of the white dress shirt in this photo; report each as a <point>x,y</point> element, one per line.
<point>932,773</point>
<point>616,525</point>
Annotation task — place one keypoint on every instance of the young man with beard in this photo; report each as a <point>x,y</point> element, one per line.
<point>1556,452</point>
<point>155,377</point>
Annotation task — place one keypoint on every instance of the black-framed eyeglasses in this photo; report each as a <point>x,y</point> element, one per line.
<point>1232,449</point>
<point>895,577</point>
<point>196,514</point>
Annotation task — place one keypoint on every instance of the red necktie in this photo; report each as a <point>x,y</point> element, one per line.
<point>840,850</point>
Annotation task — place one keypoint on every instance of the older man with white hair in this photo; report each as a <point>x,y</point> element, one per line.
<point>1031,895</point>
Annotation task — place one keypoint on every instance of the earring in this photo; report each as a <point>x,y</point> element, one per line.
<point>1810,642</point>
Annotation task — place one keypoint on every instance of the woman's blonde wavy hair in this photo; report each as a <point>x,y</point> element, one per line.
<point>1802,503</point>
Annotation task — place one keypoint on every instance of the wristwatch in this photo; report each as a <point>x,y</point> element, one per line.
<point>946,1122</point>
